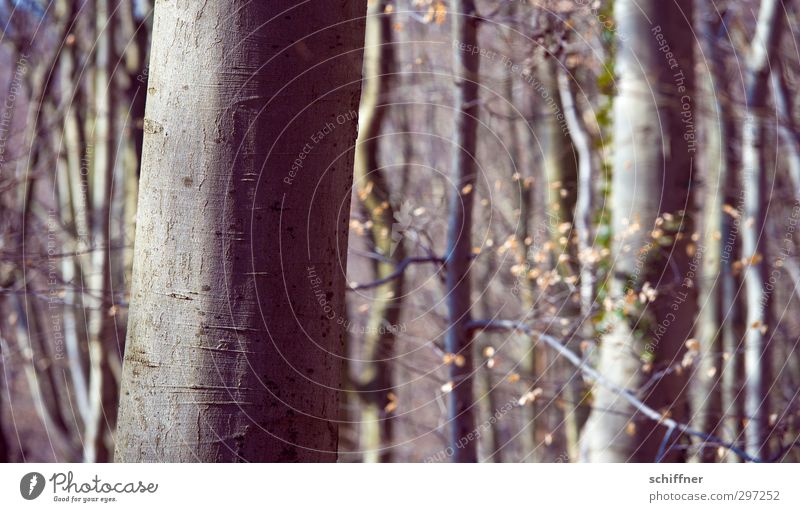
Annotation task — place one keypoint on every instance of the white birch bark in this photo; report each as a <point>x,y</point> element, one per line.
<point>754,237</point>
<point>652,211</point>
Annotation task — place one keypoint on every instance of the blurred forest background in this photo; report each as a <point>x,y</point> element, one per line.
<point>623,280</point>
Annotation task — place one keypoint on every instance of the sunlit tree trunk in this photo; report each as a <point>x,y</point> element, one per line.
<point>586,256</point>
<point>522,201</point>
<point>561,172</point>
<point>132,120</point>
<point>68,174</point>
<point>235,334</point>
<point>652,221</point>
<point>75,212</point>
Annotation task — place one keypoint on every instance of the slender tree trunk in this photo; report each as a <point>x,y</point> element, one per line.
<point>586,255</point>
<point>716,386</point>
<point>787,128</point>
<point>458,339</point>
<point>706,377</point>
<point>376,383</point>
<point>74,214</point>
<point>754,239</point>
<point>652,220</point>
<point>34,335</point>
<point>561,172</point>
<point>103,387</point>
<point>732,307</point>
<point>487,393</point>
<point>235,331</point>
<point>585,200</point>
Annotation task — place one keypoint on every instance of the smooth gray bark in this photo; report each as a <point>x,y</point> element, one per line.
<point>652,216</point>
<point>787,129</point>
<point>586,260</point>
<point>235,335</point>
<point>103,384</point>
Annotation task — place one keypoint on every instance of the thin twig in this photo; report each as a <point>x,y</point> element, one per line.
<point>398,271</point>
<point>598,378</point>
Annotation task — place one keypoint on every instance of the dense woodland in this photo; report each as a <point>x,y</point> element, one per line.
<point>399,230</point>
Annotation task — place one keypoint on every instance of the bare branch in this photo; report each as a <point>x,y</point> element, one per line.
<point>401,268</point>
<point>670,424</point>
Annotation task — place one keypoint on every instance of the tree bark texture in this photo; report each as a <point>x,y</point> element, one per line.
<point>236,330</point>
<point>754,236</point>
<point>458,338</point>
<point>652,221</point>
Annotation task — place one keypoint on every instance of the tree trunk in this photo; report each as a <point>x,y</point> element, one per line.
<point>135,93</point>
<point>74,215</point>
<point>458,338</point>
<point>584,200</point>
<point>754,240</point>
<point>652,220</point>
<point>787,128</point>
<point>235,334</point>
<point>705,380</point>
<point>375,382</point>
<point>586,255</point>
<point>103,385</point>
<point>561,172</point>
<point>488,388</point>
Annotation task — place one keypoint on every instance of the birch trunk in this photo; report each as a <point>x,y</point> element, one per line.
<point>586,260</point>
<point>375,382</point>
<point>71,270</point>
<point>235,334</point>
<point>652,223</point>
<point>754,244</point>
